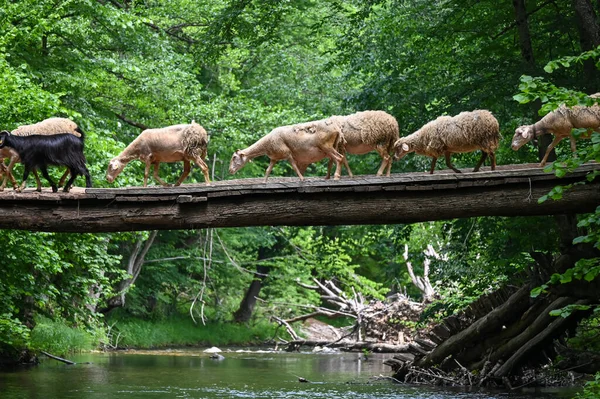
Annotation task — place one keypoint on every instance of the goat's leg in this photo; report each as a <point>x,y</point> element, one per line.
<point>481,161</point>
<point>26,172</point>
<point>556,140</point>
<point>270,168</point>
<point>158,179</point>
<point>493,160</point>
<point>449,163</point>
<point>433,162</point>
<point>204,168</point>
<point>44,171</point>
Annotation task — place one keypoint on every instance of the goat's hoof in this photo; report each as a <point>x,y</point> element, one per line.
<point>54,189</point>
<point>66,190</point>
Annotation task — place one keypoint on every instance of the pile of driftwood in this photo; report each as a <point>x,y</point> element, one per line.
<point>379,326</point>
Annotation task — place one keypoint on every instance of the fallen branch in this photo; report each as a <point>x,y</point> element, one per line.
<point>60,359</point>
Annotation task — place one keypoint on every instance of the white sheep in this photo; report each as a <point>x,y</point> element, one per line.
<point>300,144</point>
<point>185,142</point>
<point>49,126</point>
<point>560,122</point>
<point>367,131</point>
<point>465,132</point>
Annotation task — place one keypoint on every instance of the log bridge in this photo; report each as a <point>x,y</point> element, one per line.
<point>511,190</point>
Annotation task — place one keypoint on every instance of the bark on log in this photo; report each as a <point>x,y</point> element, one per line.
<point>515,305</point>
<point>541,323</point>
<point>533,342</point>
<point>401,198</point>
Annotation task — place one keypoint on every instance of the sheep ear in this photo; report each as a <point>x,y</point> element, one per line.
<point>525,133</point>
<point>404,147</point>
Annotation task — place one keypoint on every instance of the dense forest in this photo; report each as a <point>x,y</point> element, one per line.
<point>243,67</point>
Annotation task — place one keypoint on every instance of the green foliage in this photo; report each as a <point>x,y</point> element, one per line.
<point>552,97</point>
<point>591,390</point>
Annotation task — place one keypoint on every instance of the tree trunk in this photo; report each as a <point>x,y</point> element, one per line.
<point>589,38</point>
<point>524,35</point>
<point>246,309</point>
<point>134,267</point>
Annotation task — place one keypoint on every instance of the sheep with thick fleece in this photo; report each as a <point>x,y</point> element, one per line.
<point>39,151</point>
<point>46,127</point>
<point>465,132</point>
<point>300,144</point>
<point>367,131</point>
<point>560,122</point>
<point>176,143</point>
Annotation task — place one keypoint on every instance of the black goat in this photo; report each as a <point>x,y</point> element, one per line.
<point>39,151</point>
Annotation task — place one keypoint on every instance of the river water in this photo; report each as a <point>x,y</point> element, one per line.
<point>192,374</point>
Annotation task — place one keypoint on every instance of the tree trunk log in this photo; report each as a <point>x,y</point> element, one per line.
<point>401,198</point>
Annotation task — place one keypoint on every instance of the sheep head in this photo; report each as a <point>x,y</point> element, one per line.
<point>238,160</point>
<point>115,167</point>
<point>401,148</point>
<point>523,134</point>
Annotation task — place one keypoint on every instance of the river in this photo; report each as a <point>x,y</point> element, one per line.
<point>192,374</point>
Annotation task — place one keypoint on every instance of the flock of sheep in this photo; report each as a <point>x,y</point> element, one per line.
<point>59,141</point>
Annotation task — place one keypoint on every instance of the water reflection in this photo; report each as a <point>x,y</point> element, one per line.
<point>192,374</point>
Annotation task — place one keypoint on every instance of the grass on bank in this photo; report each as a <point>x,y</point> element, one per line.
<point>58,338</point>
<point>145,334</point>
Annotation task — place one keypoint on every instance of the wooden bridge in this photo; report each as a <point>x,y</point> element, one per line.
<point>511,190</point>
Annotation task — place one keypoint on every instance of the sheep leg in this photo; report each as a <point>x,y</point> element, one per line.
<point>47,177</point>
<point>158,179</point>
<point>449,163</point>
<point>37,181</point>
<point>573,145</point>
<point>481,161</point>
<point>295,166</point>
<point>186,172</point>
<point>337,157</point>
<point>385,162</point>
<point>63,178</point>
<point>556,140</point>
<point>330,163</point>
<point>7,175</point>
<point>270,168</point>
<point>493,160</point>
<point>338,168</point>
<point>71,180</point>
<point>204,168</point>
<point>146,172</point>
<point>10,175</point>
<point>433,162</point>
<point>347,166</point>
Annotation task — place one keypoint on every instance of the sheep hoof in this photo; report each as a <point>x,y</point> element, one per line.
<point>66,190</point>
